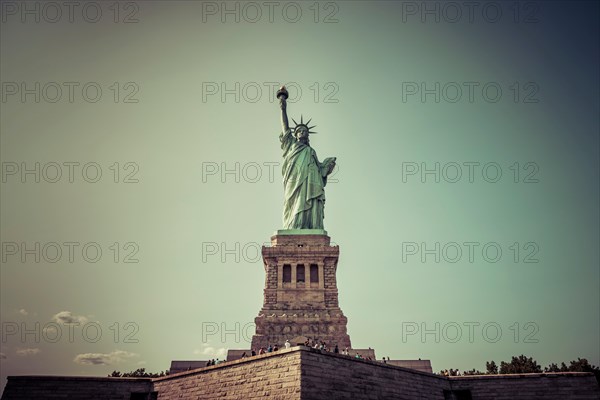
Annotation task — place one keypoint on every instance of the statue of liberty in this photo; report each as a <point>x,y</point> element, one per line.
<point>304,177</point>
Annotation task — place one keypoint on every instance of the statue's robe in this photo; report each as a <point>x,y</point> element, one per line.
<point>304,180</point>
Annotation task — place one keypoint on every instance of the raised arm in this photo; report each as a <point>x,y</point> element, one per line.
<point>282,95</point>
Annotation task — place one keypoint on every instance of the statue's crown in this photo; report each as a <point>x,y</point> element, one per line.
<point>308,128</point>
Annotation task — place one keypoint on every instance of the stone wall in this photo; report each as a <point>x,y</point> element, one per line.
<point>186,365</point>
<point>74,388</point>
<point>553,386</point>
<point>419,365</point>
<point>331,376</point>
<point>276,375</point>
<point>302,373</point>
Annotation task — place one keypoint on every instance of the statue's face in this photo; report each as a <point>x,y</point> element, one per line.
<point>301,133</point>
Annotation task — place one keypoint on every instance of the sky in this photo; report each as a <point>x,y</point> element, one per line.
<point>141,174</point>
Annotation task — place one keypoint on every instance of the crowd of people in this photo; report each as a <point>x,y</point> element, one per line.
<point>450,372</point>
<point>315,344</point>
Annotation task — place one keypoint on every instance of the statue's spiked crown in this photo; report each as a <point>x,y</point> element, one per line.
<point>308,128</point>
<point>282,92</point>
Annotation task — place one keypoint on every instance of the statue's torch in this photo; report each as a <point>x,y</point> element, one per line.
<point>282,95</point>
<point>282,92</point>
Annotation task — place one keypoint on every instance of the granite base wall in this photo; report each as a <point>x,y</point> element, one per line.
<point>302,373</point>
<point>276,375</point>
<point>73,388</point>
<point>331,376</point>
<point>553,386</point>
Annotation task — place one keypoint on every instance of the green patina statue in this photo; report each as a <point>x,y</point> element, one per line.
<point>304,177</point>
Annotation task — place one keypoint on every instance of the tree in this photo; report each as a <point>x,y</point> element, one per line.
<point>579,365</point>
<point>473,372</point>
<point>582,365</point>
<point>138,373</point>
<point>520,365</point>
<point>553,367</point>
<point>527,365</point>
<point>491,368</point>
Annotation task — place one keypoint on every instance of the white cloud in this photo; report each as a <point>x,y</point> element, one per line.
<point>211,352</point>
<point>50,331</point>
<point>114,357</point>
<point>27,352</point>
<point>67,317</point>
<point>23,311</point>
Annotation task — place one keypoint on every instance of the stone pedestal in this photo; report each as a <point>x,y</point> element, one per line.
<point>300,295</point>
